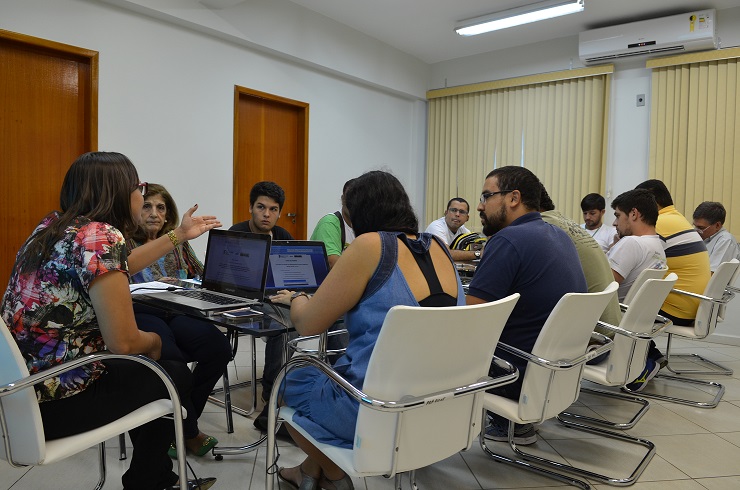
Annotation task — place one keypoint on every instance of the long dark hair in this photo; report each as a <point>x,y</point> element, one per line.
<point>97,187</point>
<point>377,201</point>
<point>171,215</point>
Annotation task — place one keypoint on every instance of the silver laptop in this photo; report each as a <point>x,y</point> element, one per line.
<point>234,275</point>
<point>297,265</point>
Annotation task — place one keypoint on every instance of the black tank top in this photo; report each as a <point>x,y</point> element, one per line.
<point>437,297</point>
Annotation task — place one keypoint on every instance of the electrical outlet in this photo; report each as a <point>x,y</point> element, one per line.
<point>640,100</point>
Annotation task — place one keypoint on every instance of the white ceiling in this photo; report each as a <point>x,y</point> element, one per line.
<point>425,28</point>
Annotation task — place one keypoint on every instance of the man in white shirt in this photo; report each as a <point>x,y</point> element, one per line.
<point>452,225</point>
<point>709,218</point>
<point>639,246</point>
<point>594,207</point>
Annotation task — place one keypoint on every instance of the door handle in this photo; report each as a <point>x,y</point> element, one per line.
<point>292,215</point>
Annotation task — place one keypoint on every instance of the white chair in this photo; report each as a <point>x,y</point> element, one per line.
<point>428,370</point>
<point>552,382</point>
<point>716,295</point>
<point>629,351</point>
<point>732,289</point>
<point>20,417</point>
<point>641,278</point>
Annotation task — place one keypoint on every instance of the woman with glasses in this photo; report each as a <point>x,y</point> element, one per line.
<point>68,296</point>
<point>184,339</point>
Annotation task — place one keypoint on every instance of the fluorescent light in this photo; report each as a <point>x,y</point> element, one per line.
<point>518,16</point>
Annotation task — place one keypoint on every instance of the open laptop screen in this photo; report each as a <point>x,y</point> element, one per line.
<point>297,265</point>
<point>236,262</point>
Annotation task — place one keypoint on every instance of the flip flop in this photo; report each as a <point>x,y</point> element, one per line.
<point>290,484</point>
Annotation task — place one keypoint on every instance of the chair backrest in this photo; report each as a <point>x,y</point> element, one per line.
<point>708,313</point>
<point>421,351</point>
<point>565,336</point>
<point>641,278</point>
<point>627,357</point>
<point>723,308</point>
<point>20,411</point>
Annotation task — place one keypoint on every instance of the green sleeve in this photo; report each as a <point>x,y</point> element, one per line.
<point>328,231</point>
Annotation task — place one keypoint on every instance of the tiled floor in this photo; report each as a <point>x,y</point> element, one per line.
<point>696,448</point>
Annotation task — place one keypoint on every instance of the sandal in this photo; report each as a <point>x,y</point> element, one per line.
<point>307,482</point>
<point>344,483</point>
<point>208,443</point>
<point>172,451</point>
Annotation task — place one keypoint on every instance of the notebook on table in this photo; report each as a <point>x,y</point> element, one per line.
<point>297,265</point>
<point>234,274</point>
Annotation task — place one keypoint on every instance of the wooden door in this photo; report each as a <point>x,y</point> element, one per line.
<point>271,143</point>
<point>48,117</point>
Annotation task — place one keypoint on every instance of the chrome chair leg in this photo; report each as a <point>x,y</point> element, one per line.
<point>720,390</point>
<point>644,406</point>
<point>101,464</point>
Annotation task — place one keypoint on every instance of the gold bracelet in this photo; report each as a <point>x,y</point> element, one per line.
<point>173,238</point>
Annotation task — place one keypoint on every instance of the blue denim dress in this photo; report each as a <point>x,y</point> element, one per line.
<point>323,410</point>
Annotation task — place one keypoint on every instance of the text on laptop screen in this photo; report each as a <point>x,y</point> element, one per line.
<point>296,266</point>
<point>235,262</point>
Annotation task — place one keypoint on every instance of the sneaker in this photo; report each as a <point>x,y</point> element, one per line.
<point>524,435</point>
<point>662,361</point>
<point>651,369</point>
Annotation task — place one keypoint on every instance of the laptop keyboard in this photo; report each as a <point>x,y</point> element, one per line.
<point>205,296</point>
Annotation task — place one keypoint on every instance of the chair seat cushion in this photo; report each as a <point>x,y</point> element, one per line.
<point>681,331</point>
<point>67,446</point>
<point>342,457</point>
<point>597,373</point>
<point>505,407</point>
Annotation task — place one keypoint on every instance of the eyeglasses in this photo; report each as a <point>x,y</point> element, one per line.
<point>484,197</point>
<point>455,211</point>
<point>701,230</point>
<point>143,187</point>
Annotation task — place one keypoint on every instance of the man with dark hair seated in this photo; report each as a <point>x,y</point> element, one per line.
<point>266,201</point>
<point>594,207</point>
<point>452,225</point>
<point>524,255</point>
<point>639,248</point>
<point>709,220</point>
<point>686,255</point>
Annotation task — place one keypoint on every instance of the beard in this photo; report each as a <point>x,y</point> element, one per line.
<point>494,223</point>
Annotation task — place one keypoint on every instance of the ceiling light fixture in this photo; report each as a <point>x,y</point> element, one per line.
<point>518,16</point>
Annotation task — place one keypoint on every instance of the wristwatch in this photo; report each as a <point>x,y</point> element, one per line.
<point>297,294</point>
<point>477,254</point>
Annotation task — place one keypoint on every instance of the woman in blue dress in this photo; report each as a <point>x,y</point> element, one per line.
<point>389,263</point>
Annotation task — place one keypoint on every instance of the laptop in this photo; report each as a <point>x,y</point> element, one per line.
<point>234,274</point>
<point>297,265</point>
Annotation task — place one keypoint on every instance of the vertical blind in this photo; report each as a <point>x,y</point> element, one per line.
<point>555,128</point>
<point>695,130</point>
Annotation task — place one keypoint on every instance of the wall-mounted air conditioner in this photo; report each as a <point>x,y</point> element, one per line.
<point>693,31</point>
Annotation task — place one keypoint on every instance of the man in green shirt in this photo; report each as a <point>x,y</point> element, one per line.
<point>335,230</point>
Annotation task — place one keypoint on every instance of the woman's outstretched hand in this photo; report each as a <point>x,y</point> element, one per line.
<point>194,226</point>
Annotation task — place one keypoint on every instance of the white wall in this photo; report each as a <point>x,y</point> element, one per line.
<point>166,99</point>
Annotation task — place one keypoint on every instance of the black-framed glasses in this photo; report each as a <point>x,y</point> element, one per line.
<point>143,187</point>
<point>455,211</point>
<point>484,197</point>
